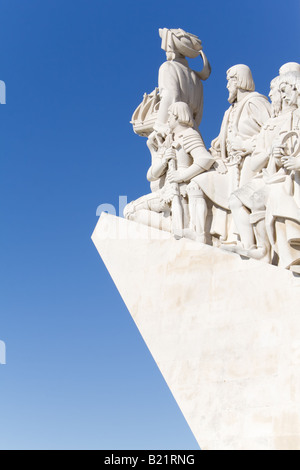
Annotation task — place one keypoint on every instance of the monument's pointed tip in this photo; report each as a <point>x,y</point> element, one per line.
<point>223,332</point>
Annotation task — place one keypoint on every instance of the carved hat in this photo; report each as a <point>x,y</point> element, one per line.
<point>186,44</point>
<point>293,67</point>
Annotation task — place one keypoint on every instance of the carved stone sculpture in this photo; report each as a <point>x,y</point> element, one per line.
<point>176,80</point>
<point>243,194</point>
<point>283,206</point>
<point>224,331</point>
<point>181,157</point>
<point>273,159</point>
<point>177,83</point>
<point>232,150</point>
<point>283,202</point>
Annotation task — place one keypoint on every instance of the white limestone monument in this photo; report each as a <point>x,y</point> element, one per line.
<point>208,263</point>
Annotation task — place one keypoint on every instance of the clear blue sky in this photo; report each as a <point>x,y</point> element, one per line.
<point>78,374</point>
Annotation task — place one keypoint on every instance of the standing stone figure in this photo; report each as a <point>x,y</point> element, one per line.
<point>176,80</point>
<point>283,202</point>
<point>271,160</point>
<point>177,83</point>
<point>232,150</point>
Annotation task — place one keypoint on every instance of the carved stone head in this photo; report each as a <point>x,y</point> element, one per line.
<point>177,41</point>
<point>275,96</point>
<point>180,113</point>
<point>293,67</point>
<point>289,86</point>
<point>239,77</point>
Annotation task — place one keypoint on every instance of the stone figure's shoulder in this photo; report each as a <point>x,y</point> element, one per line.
<point>166,66</point>
<point>191,139</point>
<point>258,108</point>
<point>258,100</point>
<point>168,72</point>
<point>258,96</point>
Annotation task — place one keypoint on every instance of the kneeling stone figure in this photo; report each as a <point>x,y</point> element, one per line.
<point>178,159</point>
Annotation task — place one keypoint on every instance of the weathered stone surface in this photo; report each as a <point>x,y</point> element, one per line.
<point>225,332</point>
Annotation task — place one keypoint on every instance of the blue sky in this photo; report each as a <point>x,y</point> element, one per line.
<point>78,374</point>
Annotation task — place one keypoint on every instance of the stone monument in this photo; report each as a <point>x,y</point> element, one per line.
<point>208,263</point>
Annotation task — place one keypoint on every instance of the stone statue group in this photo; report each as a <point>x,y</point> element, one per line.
<point>243,194</point>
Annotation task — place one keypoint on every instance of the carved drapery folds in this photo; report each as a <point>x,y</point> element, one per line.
<point>242,194</point>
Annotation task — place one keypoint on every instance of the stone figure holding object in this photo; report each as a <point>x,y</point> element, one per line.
<point>255,205</point>
<point>177,83</point>
<point>244,193</point>
<point>176,80</point>
<point>181,157</point>
<point>232,151</point>
<point>283,202</point>
<point>283,207</point>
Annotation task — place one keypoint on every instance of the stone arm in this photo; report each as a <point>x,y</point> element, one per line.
<point>264,146</point>
<point>259,161</point>
<point>215,148</point>
<point>253,118</point>
<point>169,93</point>
<point>255,113</point>
<point>216,144</point>
<point>258,113</point>
<point>291,163</point>
<point>202,161</point>
<point>215,151</point>
<point>157,169</point>
<point>261,154</point>
<point>159,163</point>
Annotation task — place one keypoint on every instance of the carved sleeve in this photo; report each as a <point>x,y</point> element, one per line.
<point>169,93</point>
<point>202,159</point>
<point>259,112</point>
<point>260,156</point>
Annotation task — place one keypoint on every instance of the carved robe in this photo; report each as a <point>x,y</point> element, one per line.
<point>254,193</point>
<point>283,208</point>
<point>178,82</point>
<point>244,119</point>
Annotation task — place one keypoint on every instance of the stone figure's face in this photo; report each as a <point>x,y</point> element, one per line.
<point>232,88</point>
<point>172,121</point>
<point>275,97</point>
<point>288,94</point>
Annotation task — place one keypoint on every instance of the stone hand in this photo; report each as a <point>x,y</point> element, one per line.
<point>129,210</point>
<point>169,155</point>
<point>278,151</point>
<point>291,163</point>
<point>237,145</point>
<point>215,153</point>
<point>220,166</point>
<point>152,142</point>
<point>174,176</point>
<point>155,141</point>
<point>278,154</point>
